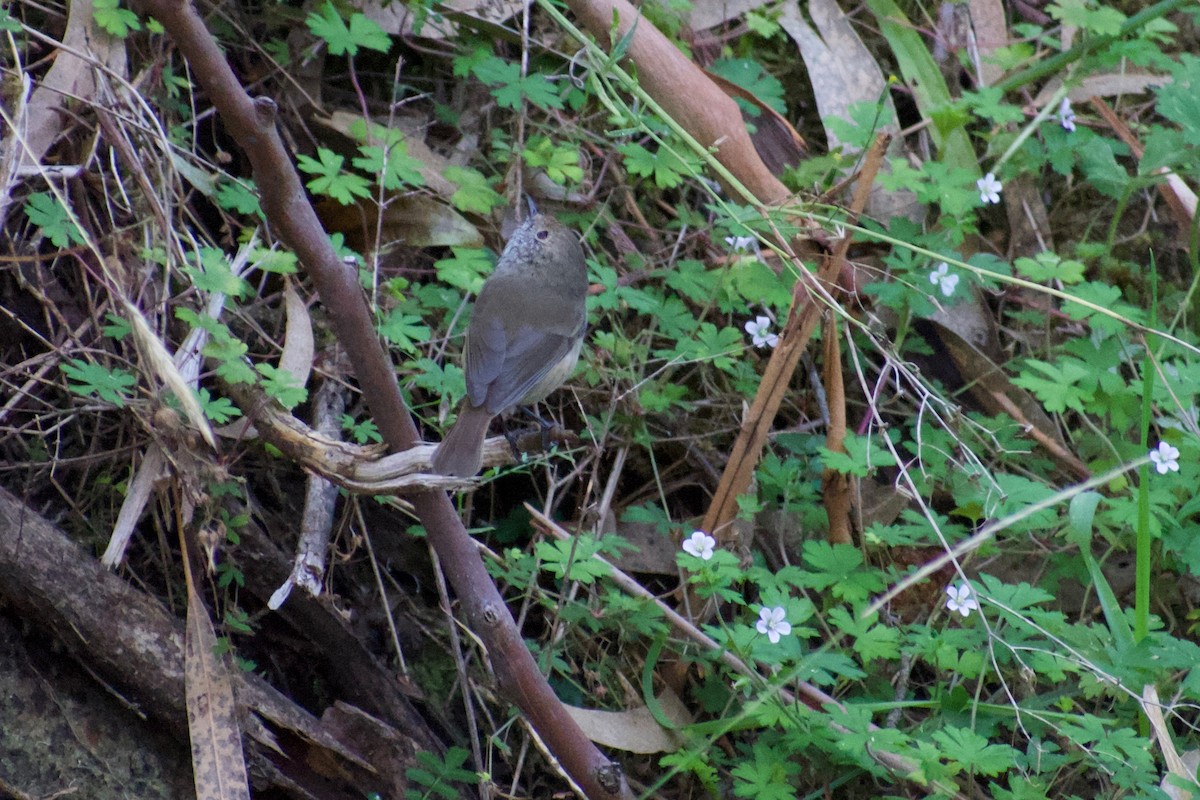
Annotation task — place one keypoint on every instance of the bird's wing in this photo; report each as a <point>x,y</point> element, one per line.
<point>505,361</point>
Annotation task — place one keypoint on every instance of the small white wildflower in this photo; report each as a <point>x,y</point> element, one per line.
<point>759,329</point>
<point>740,244</point>
<point>989,189</point>
<point>1165,458</point>
<point>961,599</point>
<point>772,623</point>
<point>944,279</point>
<point>700,545</point>
<point>1066,117</point>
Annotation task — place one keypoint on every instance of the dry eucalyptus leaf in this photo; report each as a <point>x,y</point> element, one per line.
<point>635,730</point>
<point>711,13</point>
<point>990,24</point>
<point>960,364</point>
<point>401,18</point>
<point>299,348</point>
<point>778,143</point>
<point>843,72</point>
<point>1111,84</point>
<point>217,760</point>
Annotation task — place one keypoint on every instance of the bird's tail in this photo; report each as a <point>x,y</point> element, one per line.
<point>461,453</point>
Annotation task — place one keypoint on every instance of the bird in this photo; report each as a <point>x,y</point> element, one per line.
<point>524,337</point>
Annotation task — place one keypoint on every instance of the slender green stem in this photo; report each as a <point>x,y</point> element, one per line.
<point>1141,594</point>
<point>1053,64</point>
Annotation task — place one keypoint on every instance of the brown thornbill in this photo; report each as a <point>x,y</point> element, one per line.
<point>524,336</point>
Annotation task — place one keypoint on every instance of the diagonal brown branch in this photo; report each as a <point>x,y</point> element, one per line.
<point>251,122</point>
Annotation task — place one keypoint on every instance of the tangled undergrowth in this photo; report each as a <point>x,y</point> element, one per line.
<point>923,525</point>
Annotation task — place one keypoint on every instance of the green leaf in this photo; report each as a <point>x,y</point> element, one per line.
<point>238,196</point>
<point>467,269</point>
<point>694,280</point>
<point>115,21</point>
<point>1097,160</point>
<point>364,432</point>
<point>868,638</point>
<point>510,88</point>
<point>342,39</point>
<point>89,379</point>
<point>988,102</point>
<point>973,751</point>
<point>331,181</point>
<point>1100,19</point>
<point>766,775</point>
<point>220,410</point>
<point>282,385</point>
<point>709,343</point>
<point>927,82</point>
<point>1082,513</point>
<point>1177,99</point>
<point>657,398</point>
<point>1047,266</point>
<point>560,161</point>
<point>230,355</point>
<point>446,380</point>
<point>277,262</point>
<point>8,24</point>
<point>47,213</point>
<point>404,330</point>
<point>827,668</point>
<point>215,275</point>
<point>573,559</point>
<point>863,454</point>
<point>1059,387</point>
<point>474,195</point>
<point>664,165</point>
<point>117,328</point>
<point>395,166</point>
<point>838,567</point>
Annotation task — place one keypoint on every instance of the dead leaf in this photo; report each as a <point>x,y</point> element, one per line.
<point>964,366</point>
<point>655,553</point>
<point>440,23</point>
<point>411,221</point>
<point>779,144</point>
<point>298,348</point>
<point>217,760</point>
<point>635,730</point>
<point>1110,84</point>
<point>72,77</point>
<point>843,72</point>
<point>989,22</point>
<point>1176,766</point>
<point>711,13</point>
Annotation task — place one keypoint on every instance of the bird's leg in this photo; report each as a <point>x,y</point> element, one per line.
<point>511,438</point>
<point>545,426</point>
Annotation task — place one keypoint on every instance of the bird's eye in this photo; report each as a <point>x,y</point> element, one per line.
<point>543,235</point>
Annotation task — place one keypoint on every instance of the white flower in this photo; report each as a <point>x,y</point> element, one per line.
<point>962,599</point>
<point>740,244</point>
<point>759,329</point>
<point>944,279</point>
<point>700,545</point>
<point>989,189</point>
<point>1066,117</point>
<point>772,623</point>
<point>1165,458</point>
